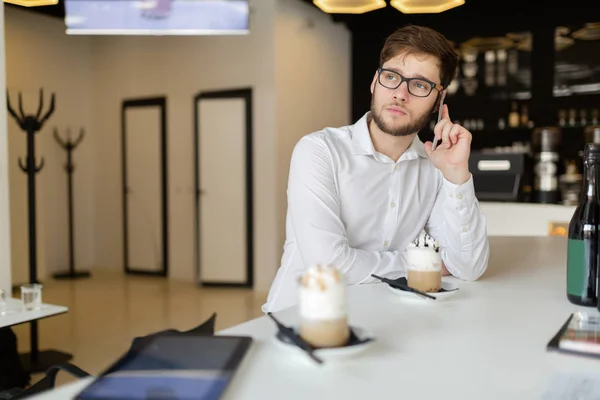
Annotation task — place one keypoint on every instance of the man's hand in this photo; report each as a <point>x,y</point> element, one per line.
<point>451,155</point>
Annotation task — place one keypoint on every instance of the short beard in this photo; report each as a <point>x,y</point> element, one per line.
<point>403,130</point>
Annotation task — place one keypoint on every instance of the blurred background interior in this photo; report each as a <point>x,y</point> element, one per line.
<point>188,110</point>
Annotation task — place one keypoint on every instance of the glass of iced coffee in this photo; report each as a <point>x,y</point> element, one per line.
<point>424,268</point>
<point>322,307</point>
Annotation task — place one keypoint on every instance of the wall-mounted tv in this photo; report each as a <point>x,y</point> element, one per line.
<point>157,17</point>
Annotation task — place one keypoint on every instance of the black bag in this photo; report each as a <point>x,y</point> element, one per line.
<point>44,384</point>
<point>15,381</point>
<point>207,328</point>
<point>12,372</point>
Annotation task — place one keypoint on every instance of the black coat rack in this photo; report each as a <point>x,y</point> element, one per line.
<point>69,146</point>
<point>36,361</point>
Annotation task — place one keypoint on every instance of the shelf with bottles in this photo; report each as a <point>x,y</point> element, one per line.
<point>572,140</point>
<point>509,122</point>
<point>578,117</point>
<point>492,67</point>
<point>485,117</point>
<point>577,111</point>
<point>488,99</point>
<point>501,138</point>
<point>519,130</point>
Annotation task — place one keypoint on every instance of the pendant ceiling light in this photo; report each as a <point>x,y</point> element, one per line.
<point>425,6</point>
<point>349,6</point>
<point>32,3</point>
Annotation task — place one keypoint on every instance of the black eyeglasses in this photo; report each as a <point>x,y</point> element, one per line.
<point>418,87</point>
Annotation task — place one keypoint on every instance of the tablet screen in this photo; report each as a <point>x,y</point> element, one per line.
<point>172,367</point>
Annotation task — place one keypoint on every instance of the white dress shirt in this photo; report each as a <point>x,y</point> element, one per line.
<point>356,209</point>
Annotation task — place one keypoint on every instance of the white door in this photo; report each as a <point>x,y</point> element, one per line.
<point>223,220</point>
<point>143,189</point>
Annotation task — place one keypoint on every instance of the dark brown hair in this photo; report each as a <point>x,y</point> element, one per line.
<point>420,39</point>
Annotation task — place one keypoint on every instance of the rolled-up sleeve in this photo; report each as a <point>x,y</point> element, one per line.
<point>460,228</point>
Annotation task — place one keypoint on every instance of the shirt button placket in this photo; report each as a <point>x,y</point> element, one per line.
<point>389,216</point>
<point>393,206</point>
<point>396,194</point>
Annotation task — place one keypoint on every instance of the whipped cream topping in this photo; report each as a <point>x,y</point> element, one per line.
<point>423,254</point>
<point>424,241</point>
<point>322,293</point>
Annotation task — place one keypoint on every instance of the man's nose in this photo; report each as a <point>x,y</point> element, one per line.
<point>401,92</point>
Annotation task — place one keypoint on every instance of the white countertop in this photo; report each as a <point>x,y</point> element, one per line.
<point>524,219</point>
<point>17,315</point>
<point>488,341</point>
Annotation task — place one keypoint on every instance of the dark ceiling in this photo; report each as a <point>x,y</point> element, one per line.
<point>480,17</point>
<point>472,8</point>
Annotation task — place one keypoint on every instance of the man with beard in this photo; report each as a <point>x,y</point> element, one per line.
<point>359,194</point>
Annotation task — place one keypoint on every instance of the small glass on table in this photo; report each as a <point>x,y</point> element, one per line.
<point>3,305</point>
<point>31,294</point>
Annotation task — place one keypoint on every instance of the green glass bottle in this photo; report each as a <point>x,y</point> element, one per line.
<point>583,255</point>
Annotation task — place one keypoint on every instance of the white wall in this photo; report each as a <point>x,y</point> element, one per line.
<point>313,76</point>
<point>179,67</point>
<point>298,63</point>
<point>296,60</point>
<point>40,55</point>
<point>5,240</point>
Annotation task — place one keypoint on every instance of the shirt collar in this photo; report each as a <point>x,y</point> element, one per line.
<point>363,145</point>
<point>361,139</point>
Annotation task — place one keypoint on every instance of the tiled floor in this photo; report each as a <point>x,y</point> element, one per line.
<point>109,309</point>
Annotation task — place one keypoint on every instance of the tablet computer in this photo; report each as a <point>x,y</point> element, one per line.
<point>579,335</point>
<point>172,367</point>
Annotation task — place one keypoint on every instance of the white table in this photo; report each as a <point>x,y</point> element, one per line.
<point>36,360</point>
<point>17,315</point>
<point>486,342</point>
